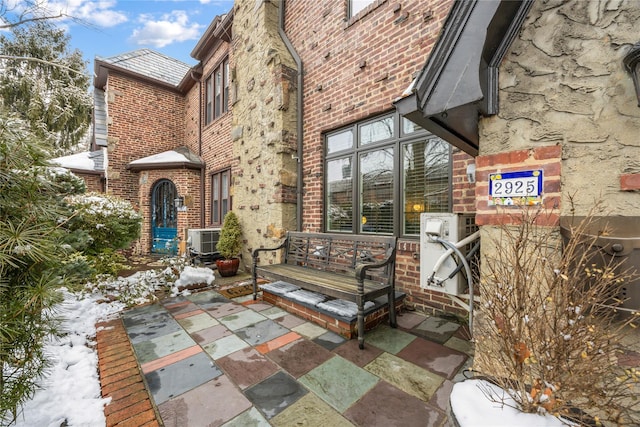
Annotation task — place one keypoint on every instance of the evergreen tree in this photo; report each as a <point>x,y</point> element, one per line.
<point>30,259</point>
<point>45,83</point>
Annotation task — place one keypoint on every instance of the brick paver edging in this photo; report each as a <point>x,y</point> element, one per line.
<point>121,379</point>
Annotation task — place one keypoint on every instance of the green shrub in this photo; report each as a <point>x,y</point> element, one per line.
<point>100,222</point>
<point>230,241</point>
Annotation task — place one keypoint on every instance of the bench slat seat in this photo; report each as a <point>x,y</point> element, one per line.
<point>356,268</point>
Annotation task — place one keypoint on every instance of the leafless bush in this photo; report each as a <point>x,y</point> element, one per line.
<point>548,332</point>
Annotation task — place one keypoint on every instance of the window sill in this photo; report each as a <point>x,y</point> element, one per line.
<point>364,12</point>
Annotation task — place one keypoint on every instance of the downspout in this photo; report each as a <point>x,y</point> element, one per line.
<point>203,167</point>
<point>299,127</point>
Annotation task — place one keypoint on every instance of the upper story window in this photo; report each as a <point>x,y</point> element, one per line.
<point>355,6</point>
<point>381,174</point>
<point>217,92</point>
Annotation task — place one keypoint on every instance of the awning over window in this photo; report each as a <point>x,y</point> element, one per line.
<point>459,81</point>
<point>173,159</point>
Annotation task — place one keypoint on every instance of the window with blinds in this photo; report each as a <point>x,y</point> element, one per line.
<point>381,174</point>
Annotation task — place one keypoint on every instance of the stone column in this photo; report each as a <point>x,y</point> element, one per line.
<point>263,127</point>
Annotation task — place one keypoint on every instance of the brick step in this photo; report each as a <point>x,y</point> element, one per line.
<point>345,326</point>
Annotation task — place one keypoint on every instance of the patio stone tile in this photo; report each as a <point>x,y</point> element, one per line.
<point>181,307</point>
<point>386,405</point>
<point>193,408</point>
<point>309,330</point>
<point>273,312</point>
<point>228,309</point>
<point>339,382</point>
<point>224,346</point>
<point>310,410</point>
<point>406,376</point>
<point>241,319</point>
<point>436,329</point>
<point>198,322</point>
<point>142,314</point>
<point>440,398</point>
<point>388,339</point>
<point>409,320</point>
<point>208,299</point>
<point>257,305</point>
<point>275,394</point>
<point>156,348</point>
<point>247,367</point>
<point>329,340</point>
<point>299,357</point>
<point>259,329</point>
<point>350,351</point>
<point>287,320</point>
<point>180,377</point>
<point>463,346</point>
<point>205,336</point>
<point>434,357</point>
<point>278,342</point>
<point>250,418</point>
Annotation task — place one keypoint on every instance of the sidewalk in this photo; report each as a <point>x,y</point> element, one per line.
<point>208,360</point>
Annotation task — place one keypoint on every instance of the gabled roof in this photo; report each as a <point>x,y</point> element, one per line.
<point>179,158</point>
<point>143,63</point>
<point>218,31</point>
<point>86,162</point>
<point>459,81</point>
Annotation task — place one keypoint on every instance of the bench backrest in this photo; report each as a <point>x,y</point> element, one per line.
<point>341,252</point>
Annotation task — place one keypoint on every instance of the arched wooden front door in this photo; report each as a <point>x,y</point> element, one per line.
<point>164,218</point>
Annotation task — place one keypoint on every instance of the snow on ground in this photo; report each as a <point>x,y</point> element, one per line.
<point>70,394</point>
<point>472,407</point>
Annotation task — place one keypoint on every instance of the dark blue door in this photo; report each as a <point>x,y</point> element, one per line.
<point>164,218</point>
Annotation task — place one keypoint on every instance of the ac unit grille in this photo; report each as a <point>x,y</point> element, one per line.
<point>204,241</point>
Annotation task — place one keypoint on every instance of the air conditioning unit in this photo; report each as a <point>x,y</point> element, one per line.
<point>451,227</point>
<point>203,240</point>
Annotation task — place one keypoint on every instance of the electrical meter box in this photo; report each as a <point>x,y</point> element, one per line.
<point>450,227</point>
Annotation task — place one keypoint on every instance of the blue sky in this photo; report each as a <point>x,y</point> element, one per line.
<point>109,27</point>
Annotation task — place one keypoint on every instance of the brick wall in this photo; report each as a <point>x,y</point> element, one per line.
<point>187,182</point>
<point>92,181</point>
<point>143,119</point>
<point>355,69</point>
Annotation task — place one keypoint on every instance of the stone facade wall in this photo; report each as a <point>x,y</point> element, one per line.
<point>143,120</point>
<point>263,131</point>
<point>563,83</point>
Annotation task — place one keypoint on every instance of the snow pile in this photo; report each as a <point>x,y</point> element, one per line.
<point>480,403</point>
<point>195,275</point>
<point>343,308</point>
<point>70,394</point>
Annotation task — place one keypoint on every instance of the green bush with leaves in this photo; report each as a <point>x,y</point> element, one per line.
<point>230,241</point>
<point>101,222</point>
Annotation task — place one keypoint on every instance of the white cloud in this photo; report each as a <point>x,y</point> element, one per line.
<point>170,28</point>
<point>101,13</point>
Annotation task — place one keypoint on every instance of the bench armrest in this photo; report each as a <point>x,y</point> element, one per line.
<point>257,251</point>
<point>361,269</point>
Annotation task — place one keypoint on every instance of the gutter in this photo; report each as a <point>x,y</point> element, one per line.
<point>299,127</point>
<point>204,165</point>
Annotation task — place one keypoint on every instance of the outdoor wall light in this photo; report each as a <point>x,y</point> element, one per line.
<point>471,173</point>
<point>632,65</point>
<point>179,202</point>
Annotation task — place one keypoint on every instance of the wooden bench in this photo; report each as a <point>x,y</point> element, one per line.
<point>355,268</point>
